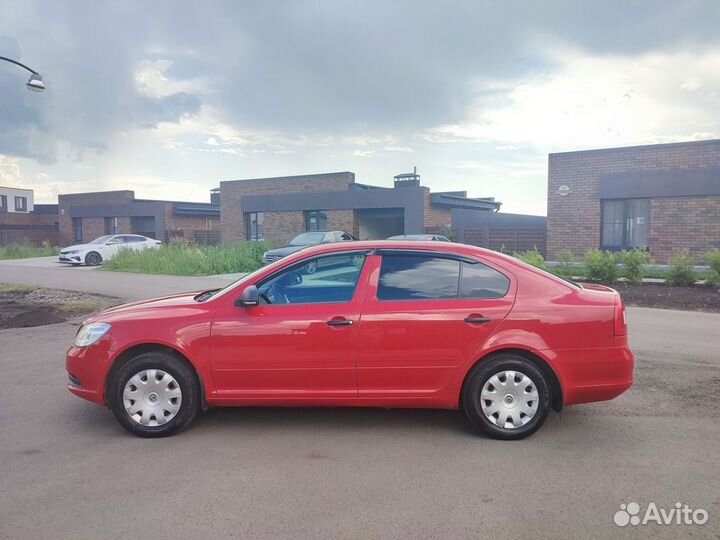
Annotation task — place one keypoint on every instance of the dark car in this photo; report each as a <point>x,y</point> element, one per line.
<point>420,237</point>
<point>304,240</point>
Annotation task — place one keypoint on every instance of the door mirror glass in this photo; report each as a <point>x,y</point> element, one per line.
<point>249,297</point>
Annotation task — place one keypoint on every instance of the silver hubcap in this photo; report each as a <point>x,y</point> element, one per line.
<point>152,397</point>
<point>509,399</point>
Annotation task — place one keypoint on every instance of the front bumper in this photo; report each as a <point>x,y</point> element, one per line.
<point>87,369</point>
<point>73,259</point>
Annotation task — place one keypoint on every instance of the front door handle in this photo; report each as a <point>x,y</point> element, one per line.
<point>477,320</point>
<point>339,322</point>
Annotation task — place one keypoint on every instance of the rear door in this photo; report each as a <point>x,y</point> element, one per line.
<point>425,314</point>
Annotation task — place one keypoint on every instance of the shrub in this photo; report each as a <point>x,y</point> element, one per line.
<point>182,259</point>
<point>601,266</point>
<point>633,262</point>
<point>26,250</point>
<point>565,259</point>
<point>531,256</point>
<point>712,258</point>
<point>680,272</point>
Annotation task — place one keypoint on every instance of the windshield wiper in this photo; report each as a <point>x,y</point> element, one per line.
<point>201,297</point>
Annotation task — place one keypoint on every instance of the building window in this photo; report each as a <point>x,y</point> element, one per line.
<point>316,220</point>
<point>77,230</point>
<point>254,226</point>
<point>625,224</point>
<point>111,225</point>
<point>3,203</point>
<point>144,225</point>
<point>21,204</point>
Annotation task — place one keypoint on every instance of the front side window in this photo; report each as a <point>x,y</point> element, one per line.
<point>625,224</point>
<point>316,220</point>
<point>418,277</point>
<point>21,204</point>
<point>255,226</point>
<point>320,280</point>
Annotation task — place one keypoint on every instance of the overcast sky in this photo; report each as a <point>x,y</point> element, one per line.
<point>169,98</point>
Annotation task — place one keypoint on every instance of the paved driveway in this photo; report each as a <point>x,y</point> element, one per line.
<point>67,470</point>
<point>45,271</point>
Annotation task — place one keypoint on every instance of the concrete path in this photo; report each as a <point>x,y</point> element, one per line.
<point>47,272</point>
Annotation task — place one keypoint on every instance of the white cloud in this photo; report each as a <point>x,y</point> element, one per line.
<point>151,80</point>
<point>596,101</point>
<point>363,153</point>
<point>10,173</point>
<point>398,149</point>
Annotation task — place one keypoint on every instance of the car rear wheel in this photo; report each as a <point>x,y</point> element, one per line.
<point>155,395</point>
<point>507,397</point>
<point>93,258</point>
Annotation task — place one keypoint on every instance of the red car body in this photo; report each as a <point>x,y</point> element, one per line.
<point>397,354</point>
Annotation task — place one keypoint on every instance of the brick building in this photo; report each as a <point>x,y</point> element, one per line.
<point>277,209</point>
<point>23,221</point>
<point>84,216</point>
<point>662,197</point>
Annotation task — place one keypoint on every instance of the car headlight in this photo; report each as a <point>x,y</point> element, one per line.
<point>71,252</point>
<point>265,255</point>
<point>90,333</point>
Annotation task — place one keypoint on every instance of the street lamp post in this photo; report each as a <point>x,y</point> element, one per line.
<point>35,82</point>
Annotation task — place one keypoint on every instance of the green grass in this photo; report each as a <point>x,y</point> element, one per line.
<point>180,259</point>
<point>11,288</point>
<point>25,251</point>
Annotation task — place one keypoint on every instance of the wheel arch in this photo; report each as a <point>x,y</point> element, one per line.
<point>537,360</point>
<point>136,350</point>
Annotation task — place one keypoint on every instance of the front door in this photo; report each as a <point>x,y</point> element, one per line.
<point>424,316</point>
<point>301,340</point>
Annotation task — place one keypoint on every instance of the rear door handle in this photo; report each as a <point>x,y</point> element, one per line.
<point>477,320</point>
<point>339,322</point>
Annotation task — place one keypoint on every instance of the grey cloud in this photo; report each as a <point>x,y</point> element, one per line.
<point>299,67</point>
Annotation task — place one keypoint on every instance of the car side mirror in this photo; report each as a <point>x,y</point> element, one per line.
<point>249,297</point>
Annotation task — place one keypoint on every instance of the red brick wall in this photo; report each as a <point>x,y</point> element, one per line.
<point>344,220</point>
<point>684,222</point>
<point>281,227</point>
<point>232,221</point>
<point>436,217</point>
<point>574,219</point>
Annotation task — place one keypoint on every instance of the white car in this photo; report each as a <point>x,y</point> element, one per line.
<point>105,248</point>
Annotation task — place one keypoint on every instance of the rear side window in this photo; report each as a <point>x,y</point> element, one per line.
<point>480,281</point>
<point>410,277</point>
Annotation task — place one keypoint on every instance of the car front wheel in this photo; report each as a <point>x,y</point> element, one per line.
<point>155,395</point>
<point>507,397</point>
<point>93,258</point>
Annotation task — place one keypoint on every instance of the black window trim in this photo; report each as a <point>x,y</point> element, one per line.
<point>303,262</point>
<point>400,252</point>
<point>624,246</point>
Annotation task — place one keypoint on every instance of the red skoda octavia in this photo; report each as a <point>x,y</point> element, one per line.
<point>367,324</point>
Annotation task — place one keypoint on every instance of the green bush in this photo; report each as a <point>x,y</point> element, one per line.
<point>601,266</point>
<point>531,256</point>
<point>182,259</point>
<point>26,250</point>
<point>565,267</point>
<point>680,271</point>
<point>633,262</point>
<point>712,258</point>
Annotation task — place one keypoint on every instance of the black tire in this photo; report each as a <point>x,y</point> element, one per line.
<point>183,374</point>
<point>93,258</point>
<point>482,373</point>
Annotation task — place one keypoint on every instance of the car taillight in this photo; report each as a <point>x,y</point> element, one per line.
<point>620,319</point>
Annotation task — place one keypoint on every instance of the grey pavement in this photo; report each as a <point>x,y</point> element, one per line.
<point>47,272</point>
<point>67,470</point>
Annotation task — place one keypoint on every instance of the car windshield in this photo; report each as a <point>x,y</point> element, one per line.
<point>102,239</point>
<point>307,239</point>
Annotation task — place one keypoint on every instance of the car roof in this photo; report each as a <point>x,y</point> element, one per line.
<point>429,245</point>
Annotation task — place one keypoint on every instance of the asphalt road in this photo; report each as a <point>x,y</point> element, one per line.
<point>67,470</point>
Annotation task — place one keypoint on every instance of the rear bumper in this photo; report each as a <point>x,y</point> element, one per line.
<point>588,375</point>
